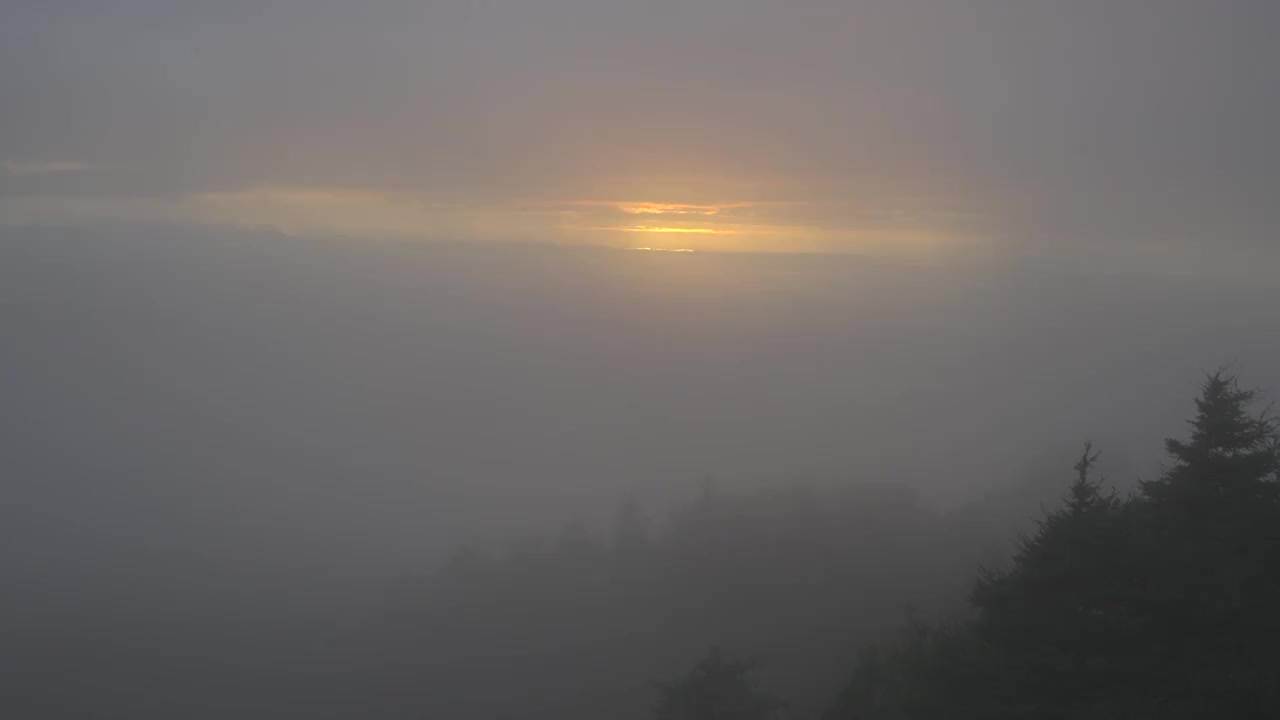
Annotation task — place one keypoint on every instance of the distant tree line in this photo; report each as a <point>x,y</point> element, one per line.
<point>1163,602</point>
<point>581,625</point>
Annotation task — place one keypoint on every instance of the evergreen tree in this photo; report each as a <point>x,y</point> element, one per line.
<point>1158,606</point>
<point>1212,557</point>
<point>1055,572</point>
<point>1058,613</point>
<point>1231,460</point>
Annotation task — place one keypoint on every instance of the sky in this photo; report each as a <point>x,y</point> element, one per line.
<point>1125,132</point>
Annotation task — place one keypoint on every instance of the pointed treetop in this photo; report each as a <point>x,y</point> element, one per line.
<point>1223,423</point>
<point>1085,493</point>
<point>1232,452</point>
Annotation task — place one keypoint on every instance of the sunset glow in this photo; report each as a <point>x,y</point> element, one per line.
<point>651,229</point>
<point>651,208</point>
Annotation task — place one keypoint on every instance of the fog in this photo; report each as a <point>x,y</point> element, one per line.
<point>346,404</point>
<point>552,359</point>
<point>207,433</point>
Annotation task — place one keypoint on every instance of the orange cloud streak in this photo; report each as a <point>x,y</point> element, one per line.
<point>652,229</point>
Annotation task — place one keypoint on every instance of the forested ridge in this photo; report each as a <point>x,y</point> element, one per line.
<point>1160,604</point>
<point>864,602</point>
<point>1147,597</point>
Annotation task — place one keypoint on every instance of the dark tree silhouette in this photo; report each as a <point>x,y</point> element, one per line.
<point>1211,558</point>
<point>1158,605</point>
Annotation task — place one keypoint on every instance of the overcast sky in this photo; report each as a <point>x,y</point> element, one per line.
<point>1139,129</point>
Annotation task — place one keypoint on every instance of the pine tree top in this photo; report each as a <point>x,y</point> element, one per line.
<point>1086,494</point>
<point>1223,423</point>
<point>1232,451</point>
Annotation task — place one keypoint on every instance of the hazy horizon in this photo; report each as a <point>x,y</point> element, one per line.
<point>395,369</point>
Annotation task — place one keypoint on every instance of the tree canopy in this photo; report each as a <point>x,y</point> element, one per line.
<point>1160,604</point>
